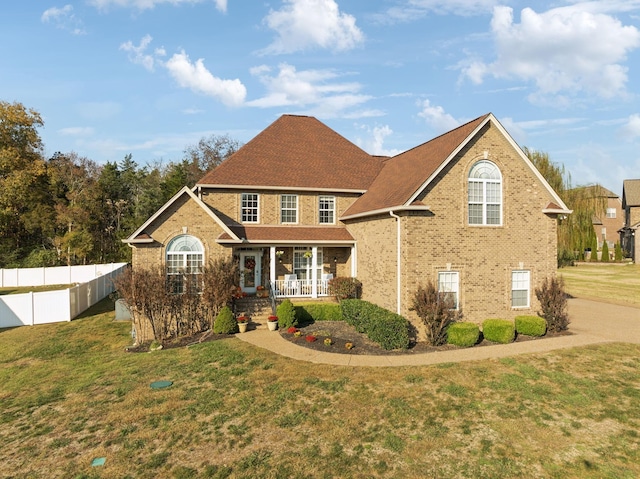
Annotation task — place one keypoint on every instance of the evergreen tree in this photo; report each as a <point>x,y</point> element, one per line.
<point>618,252</point>
<point>605,252</point>
<point>594,249</point>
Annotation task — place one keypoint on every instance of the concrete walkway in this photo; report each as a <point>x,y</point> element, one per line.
<point>591,323</point>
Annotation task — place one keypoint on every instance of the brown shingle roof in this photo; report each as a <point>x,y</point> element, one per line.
<point>631,192</point>
<point>289,234</point>
<point>597,191</point>
<point>298,151</point>
<point>405,173</point>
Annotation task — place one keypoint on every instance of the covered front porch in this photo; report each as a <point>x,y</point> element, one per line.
<point>289,271</point>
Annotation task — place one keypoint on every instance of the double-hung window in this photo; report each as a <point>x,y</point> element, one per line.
<point>449,286</point>
<point>250,207</point>
<point>303,262</point>
<point>289,208</point>
<point>485,194</point>
<point>611,212</point>
<point>520,285</point>
<point>327,210</point>
<point>185,259</point>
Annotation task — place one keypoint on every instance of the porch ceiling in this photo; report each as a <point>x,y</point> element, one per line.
<point>288,235</point>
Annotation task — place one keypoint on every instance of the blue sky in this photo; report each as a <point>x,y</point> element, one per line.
<point>151,77</point>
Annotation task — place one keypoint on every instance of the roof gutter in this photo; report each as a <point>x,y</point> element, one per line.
<point>398,264</point>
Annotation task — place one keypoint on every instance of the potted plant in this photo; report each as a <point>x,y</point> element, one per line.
<point>243,322</point>
<point>261,292</point>
<point>272,323</point>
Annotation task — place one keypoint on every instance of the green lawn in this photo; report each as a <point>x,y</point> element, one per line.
<point>69,393</point>
<point>614,283</point>
<point>35,289</point>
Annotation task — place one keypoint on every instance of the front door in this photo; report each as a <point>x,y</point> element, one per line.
<point>250,273</point>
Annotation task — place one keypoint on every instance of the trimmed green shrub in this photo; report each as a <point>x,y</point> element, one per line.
<point>498,330</point>
<point>225,323</point>
<point>344,288</point>
<point>389,330</point>
<point>286,315</point>
<point>306,313</point>
<point>553,302</point>
<point>531,325</point>
<point>605,252</point>
<point>463,334</point>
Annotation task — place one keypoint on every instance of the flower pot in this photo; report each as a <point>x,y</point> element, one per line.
<point>273,325</point>
<point>243,327</point>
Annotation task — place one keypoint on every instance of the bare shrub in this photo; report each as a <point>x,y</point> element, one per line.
<point>553,302</point>
<point>160,313</point>
<point>436,310</point>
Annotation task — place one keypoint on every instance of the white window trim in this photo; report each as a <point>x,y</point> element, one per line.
<point>455,285</point>
<point>484,203</point>
<point>528,288</point>
<point>305,263</point>
<point>296,209</point>
<point>611,213</point>
<point>194,250</point>
<point>242,208</point>
<point>333,210</point>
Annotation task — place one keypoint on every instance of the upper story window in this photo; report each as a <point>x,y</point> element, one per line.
<point>611,212</point>
<point>289,208</point>
<point>250,207</point>
<point>485,194</point>
<point>327,210</point>
<point>185,259</point>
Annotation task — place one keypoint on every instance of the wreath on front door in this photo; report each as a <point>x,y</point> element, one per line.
<point>249,263</point>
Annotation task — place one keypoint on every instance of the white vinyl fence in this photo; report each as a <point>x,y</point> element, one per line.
<point>93,283</point>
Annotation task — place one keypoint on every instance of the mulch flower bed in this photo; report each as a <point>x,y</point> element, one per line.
<point>342,334</point>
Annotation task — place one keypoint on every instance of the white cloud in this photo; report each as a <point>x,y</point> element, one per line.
<point>564,51</point>
<point>411,10</point>
<point>192,75</point>
<point>64,19</point>
<point>137,54</point>
<point>631,129</point>
<point>437,118</point>
<point>320,91</point>
<point>76,131</point>
<point>197,78</point>
<point>375,144</point>
<point>305,24</point>
<point>221,5</point>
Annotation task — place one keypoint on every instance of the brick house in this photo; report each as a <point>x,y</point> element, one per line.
<point>630,239</point>
<point>300,204</point>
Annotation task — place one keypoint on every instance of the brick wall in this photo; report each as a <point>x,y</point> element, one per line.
<point>227,202</point>
<point>441,239</point>
<point>183,216</point>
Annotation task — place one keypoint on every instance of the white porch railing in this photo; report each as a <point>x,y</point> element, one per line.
<point>291,288</point>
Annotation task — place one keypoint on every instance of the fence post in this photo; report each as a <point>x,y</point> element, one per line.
<point>33,308</point>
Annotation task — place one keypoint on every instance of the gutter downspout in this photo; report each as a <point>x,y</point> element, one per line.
<point>398,256</point>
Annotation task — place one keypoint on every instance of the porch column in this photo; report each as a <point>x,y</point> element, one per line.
<point>314,272</point>
<point>272,266</point>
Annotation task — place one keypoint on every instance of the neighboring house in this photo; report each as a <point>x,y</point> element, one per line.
<point>606,226</point>
<point>631,204</point>
<point>300,204</point>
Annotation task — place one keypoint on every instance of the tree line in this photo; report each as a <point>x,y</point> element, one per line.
<point>68,209</point>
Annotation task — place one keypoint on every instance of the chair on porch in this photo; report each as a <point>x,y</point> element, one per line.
<point>291,284</point>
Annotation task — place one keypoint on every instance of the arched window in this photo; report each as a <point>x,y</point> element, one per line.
<point>485,194</point>
<point>185,257</point>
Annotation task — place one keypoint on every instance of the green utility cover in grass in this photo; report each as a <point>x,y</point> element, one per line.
<point>98,461</point>
<point>161,384</point>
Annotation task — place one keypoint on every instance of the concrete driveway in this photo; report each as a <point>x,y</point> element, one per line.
<point>592,322</point>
